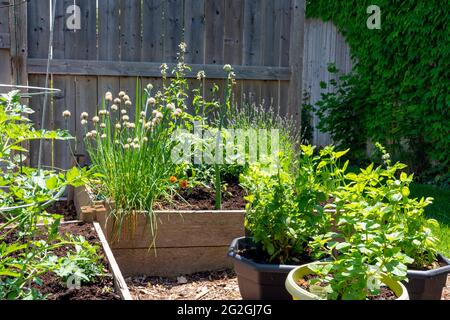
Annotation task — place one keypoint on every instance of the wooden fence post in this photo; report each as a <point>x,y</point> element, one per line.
<point>19,41</point>
<point>296,59</point>
<point>18,30</point>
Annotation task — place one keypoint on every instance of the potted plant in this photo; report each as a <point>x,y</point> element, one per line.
<point>284,212</point>
<point>364,244</point>
<point>324,284</point>
<point>376,199</point>
<point>427,275</point>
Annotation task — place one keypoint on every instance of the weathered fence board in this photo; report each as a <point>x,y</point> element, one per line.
<point>108,34</point>
<point>276,54</point>
<point>5,42</point>
<point>194,29</point>
<point>151,69</point>
<point>323,45</point>
<point>173,28</point>
<point>130,30</point>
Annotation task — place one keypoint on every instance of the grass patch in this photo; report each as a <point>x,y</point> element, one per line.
<point>439,210</point>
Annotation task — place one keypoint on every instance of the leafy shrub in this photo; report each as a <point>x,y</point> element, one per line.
<point>397,94</point>
<point>16,129</point>
<point>284,208</point>
<point>376,230</point>
<point>25,193</point>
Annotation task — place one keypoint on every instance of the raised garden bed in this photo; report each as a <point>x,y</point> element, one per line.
<point>111,286</point>
<point>188,241</point>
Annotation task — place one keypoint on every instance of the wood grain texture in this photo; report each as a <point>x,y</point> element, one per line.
<point>5,40</point>
<point>323,45</point>
<point>179,230</point>
<point>109,30</point>
<point>215,16</point>
<point>173,28</point>
<point>18,42</point>
<point>296,59</point>
<point>187,241</point>
<point>233,36</point>
<point>130,30</point>
<point>119,282</point>
<point>262,39</point>
<point>194,30</point>
<point>5,55</point>
<point>153,31</point>
<point>38,29</point>
<point>81,44</point>
<point>85,101</point>
<point>253,45</point>
<point>4,20</point>
<point>65,100</point>
<point>170,262</point>
<point>151,69</point>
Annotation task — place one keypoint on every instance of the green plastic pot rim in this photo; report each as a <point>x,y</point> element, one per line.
<point>294,289</point>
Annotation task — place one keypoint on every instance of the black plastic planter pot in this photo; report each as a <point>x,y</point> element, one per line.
<point>428,285</point>
<point>258,281</point>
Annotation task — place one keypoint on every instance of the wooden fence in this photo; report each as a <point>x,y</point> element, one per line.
<point>323,45</point>
<point>120,40</point>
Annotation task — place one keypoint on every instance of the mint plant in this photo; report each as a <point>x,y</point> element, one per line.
<point>376,231</point>
<point>285,207</point>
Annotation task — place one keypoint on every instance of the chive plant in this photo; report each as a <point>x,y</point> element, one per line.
<point>132,157</point>
<point>224,109</point>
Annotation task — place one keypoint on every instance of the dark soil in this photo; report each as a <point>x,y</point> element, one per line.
<point>385,292</point>
<point>100,289</point>
<point>64,208</point>
<point>255,253</point>
<point>435,265</point>
<point>202,198</point>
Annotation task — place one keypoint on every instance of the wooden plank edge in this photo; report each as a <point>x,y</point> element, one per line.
<point>94,205</point>
<point>152,69</point>
<point>119,281</point>
<point>152,249</point>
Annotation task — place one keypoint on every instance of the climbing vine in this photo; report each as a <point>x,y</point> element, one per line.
<point>398,92</point>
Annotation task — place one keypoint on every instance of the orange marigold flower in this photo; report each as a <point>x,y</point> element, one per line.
<point>173,179</point>
<point>184,184</point>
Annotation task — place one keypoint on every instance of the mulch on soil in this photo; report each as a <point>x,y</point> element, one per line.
<point>446,291</point>
<point>218,285</point>
<point>221,285</point>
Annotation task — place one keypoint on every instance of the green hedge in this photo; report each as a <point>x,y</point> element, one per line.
<point>399,92</point>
